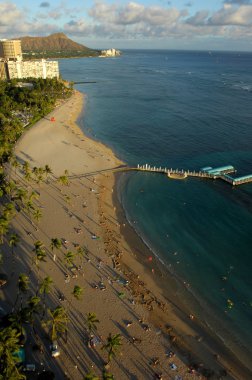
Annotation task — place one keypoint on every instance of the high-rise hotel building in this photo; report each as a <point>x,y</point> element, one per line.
<point>12,64</point>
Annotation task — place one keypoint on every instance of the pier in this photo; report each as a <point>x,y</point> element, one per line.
<point>222,172</point>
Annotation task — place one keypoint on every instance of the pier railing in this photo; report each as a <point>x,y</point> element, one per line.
<point>188,173</point>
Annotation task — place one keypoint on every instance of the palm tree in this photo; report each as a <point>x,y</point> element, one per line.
<point>33,195</point>
<point>9,344</point>
<point>55,243</point>
<point>9,187</point>
<point>26,167</point>
<point>80,252</point>
<point>91,376</point>
<point>14,240</point>
<point>17,320</point>
<point>4,227</point>
<point>77,292</point>
<point>91,322</point>
<point>37,214</point>
<point>63,180</point>
<point>33,307</point>
<point>107,376</point>
<point>23,286</point>
<point>28,176</point>
<point>57,322</point>
<point>15,163</point>
<point>40,252</point>
<point>21,194</point>
<point>69,258</point>
<point>112,345</point>
<point>48,170</point>
<point>45,288</point>
<point>9,211</point>
<point>29,207</point>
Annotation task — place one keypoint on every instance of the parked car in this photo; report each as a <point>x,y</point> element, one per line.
<point>29,368</point>
<point>54,349</point>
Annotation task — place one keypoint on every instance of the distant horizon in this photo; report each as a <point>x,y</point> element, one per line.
<point>173,49</point>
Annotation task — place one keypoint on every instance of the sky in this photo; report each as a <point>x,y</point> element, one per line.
<point>149,24</point>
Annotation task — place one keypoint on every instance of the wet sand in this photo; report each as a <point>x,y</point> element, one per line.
<point>120,287</point>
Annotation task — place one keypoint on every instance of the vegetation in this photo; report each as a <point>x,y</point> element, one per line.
<point>78,292</point>
<point>9,344</point>
<point>112,345</point>
<point>22,106</point>
<point>38,54</point>
<point>57,322</point>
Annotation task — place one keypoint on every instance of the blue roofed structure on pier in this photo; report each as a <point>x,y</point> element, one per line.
<point>219,170</point>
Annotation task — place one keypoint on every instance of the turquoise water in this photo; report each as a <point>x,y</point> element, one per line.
<point>185,110</point>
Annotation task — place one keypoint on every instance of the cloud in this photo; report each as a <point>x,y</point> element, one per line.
<point>200,18</point>
<point>238,2</point>
<point>230,15</point>
<point>131,21</point>
<point>134,13</point>
<point>44,4</point>
<point>9,14</point>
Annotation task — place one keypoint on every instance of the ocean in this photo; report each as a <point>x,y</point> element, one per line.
<point>183,109</point>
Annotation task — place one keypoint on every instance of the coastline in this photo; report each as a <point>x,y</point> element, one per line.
<point>103,217</point>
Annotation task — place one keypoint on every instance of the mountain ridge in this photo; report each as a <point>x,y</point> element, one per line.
<point>55,42</point>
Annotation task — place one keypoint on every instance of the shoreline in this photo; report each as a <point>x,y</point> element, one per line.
<point>167,283</point>
<point>201,345</point>
<point>103,217</point>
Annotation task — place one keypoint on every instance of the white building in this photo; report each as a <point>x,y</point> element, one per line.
<point>12,64</point>
<point>32,69</point>
<point>110,53</point>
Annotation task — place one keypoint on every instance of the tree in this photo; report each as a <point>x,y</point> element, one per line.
<point>23,286</point>
<point>107,376</point>
<point>91,376</point>
<point>45,288</point>
<point>80,252</point>
<point>17,320</point>
<point>40,253</point>
<point>63,180</point>
<point>47,170</point>
<point>26,167</point>
<point>55,244</point>
<point>112,345</point>
<point>9,344</point>
<point>33,307</point>
<point>21,194</point>
<point>13,241</point>
<point>15,163</point>
<point>92,322</point>
<point>69,258</point>
<point>9,211</point>
<point>77,292</point>
<point>37,214</point>
<point>57,322</point>
<point>4,227</point>
<point>29,207</point>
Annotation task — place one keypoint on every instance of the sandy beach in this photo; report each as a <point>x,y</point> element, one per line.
<point>121,284</point>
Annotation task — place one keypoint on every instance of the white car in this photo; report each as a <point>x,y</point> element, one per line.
<point>54,349</point>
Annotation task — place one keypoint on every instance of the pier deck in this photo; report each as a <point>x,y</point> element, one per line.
<point>222,173</point>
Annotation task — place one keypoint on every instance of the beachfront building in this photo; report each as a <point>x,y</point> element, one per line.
<point>2,71</point>
<point>33,69</point>
<point>110,53</point>
<point>13,66</point>
<point>10,49</point>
